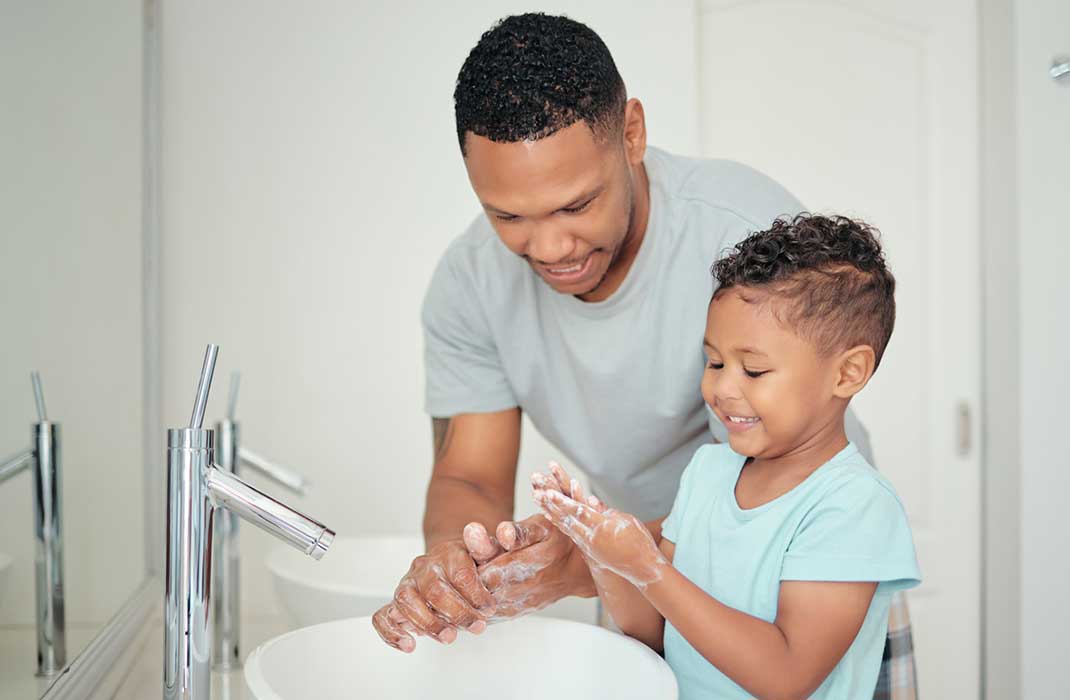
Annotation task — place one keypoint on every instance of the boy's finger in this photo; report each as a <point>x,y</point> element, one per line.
<point>561,476</point>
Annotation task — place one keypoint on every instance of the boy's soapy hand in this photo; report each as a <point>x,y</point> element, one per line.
<point>610,539</point>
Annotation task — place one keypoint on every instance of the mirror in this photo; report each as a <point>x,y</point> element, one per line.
<point>71,308</point>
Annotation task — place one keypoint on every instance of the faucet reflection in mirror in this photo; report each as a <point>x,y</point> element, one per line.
<point>43,460</point>
<point>231,455</point>
<point>197,490</point>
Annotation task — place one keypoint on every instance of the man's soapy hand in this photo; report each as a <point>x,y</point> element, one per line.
<point>528,566</point>
<point>610,539</point>
<point>441,593</point>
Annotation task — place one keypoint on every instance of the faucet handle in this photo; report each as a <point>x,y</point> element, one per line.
<point>196,421</point>
<point>39,397</point>
<point>284,476</point>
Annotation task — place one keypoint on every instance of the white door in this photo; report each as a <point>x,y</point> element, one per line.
<point>870,109</point>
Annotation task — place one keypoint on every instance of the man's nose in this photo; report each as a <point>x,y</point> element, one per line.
<point>550,243</point>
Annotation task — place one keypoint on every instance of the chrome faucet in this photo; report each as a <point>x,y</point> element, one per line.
<point>196,491</point>
<point>43,460</point>
<point>226,588</point>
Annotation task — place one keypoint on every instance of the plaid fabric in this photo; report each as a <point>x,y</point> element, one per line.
<point>898,678</point>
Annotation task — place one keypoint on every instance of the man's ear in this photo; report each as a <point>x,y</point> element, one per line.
<point>855,367</point>
<point>634,131</point>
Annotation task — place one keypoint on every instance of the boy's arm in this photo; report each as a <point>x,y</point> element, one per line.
<point>788,658</point>
<point>626,604</point>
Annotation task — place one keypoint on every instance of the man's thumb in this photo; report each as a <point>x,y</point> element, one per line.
<point>481,546</point>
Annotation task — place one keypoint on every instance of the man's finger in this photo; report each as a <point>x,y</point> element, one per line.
<point>465,580</point>
<point>447,602</point>
<point>391,631</point>
<point>481,546</point>
<point>524,533</point>
<point>408,601</point>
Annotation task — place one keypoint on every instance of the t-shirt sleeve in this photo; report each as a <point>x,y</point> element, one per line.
<point>857,532</point>
<point>670,527</point>
<point>463,370</point>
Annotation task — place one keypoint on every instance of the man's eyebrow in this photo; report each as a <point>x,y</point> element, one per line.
<point>585,197</point>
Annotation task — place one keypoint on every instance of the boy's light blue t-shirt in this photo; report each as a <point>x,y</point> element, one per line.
<point>843,523</point>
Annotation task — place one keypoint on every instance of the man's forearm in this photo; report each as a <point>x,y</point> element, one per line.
<point>452,503</point>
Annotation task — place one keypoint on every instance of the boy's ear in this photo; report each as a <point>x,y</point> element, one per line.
<point>856,366</point>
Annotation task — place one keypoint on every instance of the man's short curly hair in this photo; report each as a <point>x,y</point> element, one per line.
<point>531,75</point>
<point>824,277</point>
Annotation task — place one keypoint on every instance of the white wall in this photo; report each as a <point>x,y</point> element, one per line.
<point>310,180</point>
<point>1044,343</point>
<point>70,291</point>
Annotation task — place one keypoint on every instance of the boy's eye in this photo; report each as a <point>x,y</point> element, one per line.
<point>715,365</point>
<point>505,217</point>
<point>755,375</point>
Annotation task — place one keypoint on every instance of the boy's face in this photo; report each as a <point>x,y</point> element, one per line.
<point>770,388</point>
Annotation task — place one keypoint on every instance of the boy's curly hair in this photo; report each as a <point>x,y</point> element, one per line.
<point>826,276</point>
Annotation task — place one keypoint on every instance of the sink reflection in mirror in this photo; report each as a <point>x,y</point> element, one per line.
<point>73,304</point>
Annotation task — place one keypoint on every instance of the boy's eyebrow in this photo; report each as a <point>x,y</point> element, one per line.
<point>750,351</point>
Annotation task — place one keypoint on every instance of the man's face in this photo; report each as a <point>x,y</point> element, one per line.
<point>770,388</point>
<point>563,203</point>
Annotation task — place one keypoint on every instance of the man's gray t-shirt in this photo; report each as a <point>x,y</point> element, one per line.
<point>614,384</point>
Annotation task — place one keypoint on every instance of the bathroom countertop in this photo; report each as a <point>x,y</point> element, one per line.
<point>18,658</point>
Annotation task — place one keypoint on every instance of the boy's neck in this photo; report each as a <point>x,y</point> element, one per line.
<point>809,456</point>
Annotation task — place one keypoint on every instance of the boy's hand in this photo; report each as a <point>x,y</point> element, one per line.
<point>616,541</point>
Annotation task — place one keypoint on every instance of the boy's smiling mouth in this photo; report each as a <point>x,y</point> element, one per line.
<point>739,424</point>
<point>744,419</point>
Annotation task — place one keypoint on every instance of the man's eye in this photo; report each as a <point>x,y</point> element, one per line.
<point>755,375</point>
<point>576,210</point>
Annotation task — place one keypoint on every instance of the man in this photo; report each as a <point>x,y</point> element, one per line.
<point>578,296</point>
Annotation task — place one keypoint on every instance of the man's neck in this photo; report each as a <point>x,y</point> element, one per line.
<point>633,240</point>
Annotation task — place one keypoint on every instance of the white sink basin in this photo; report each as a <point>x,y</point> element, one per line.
<point>358,575</point>
<point>524,659</point>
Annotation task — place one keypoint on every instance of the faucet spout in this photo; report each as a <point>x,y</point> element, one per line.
<point>255,506</point>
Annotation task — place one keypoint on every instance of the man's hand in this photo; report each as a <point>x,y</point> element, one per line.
<point>441,593</point>
<point>530,565</point>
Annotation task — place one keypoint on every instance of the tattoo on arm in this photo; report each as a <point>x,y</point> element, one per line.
<point>442,428</point>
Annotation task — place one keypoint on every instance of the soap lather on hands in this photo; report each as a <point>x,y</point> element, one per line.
<point>466,583</point>
<point>609,539</point>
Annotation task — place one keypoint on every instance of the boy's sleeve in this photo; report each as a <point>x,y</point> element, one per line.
<point>670,527</point>
<point>463,371</point>
<point>858,532</point>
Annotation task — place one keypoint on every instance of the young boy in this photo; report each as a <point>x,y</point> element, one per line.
<point>778,561</point>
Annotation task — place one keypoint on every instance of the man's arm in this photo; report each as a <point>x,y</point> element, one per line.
<point>472,479</point>
<point>474,474</point>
